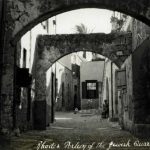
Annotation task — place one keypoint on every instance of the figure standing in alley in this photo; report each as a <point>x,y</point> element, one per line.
<point>105,109</point>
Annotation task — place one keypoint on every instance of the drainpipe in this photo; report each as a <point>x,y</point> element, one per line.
<point>112,88</point>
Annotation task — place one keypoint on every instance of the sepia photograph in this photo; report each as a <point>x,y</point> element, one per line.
<point>74,75</point>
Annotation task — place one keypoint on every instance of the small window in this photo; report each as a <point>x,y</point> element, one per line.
<point>91,86</point>
<point>90,89</point>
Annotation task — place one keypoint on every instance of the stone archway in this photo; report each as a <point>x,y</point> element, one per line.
<point>23,15</point>
<point>50,48</point>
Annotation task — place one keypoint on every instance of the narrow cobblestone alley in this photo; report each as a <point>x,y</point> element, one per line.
<point>78,132</point>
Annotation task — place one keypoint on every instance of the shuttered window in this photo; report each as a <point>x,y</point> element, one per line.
<point>90,90</point>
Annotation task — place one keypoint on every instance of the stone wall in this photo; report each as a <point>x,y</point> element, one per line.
<point>135,99</point>
<point>91,71</point>
<point>140,32</point>
<point>141,89</point>
<point>63,76</point>
<point>50,48</point>
<point>109,91</point>
<point>23,100</point>
<point>141,83</point>
<point>115,100</point>
<point>127,96</point>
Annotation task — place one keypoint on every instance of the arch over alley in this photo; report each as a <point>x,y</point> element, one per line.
<point>50,48</point>
<point>23,19</point>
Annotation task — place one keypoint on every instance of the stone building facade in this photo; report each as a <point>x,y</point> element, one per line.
<point>133,97</point>
<point>91,81</point>
<point>25,93</point>
<point>109,88</point>
<point>63,85</point>
<point>58,90</point>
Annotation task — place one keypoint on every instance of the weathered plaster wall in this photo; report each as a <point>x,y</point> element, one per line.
<point>115,100</point>
<point>107,85</point>
<point>23,119</point>
<point>109,91</point>
<point>141,82</point>
<point>135,96</point>
<point>24,109</point>
<point>91,71</point>
<point>140,32</point>
<point>127,96</point>
<point>63,75</point>
<point>49,95</point>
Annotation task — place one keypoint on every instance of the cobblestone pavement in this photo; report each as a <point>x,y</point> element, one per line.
<point>79,132</point>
